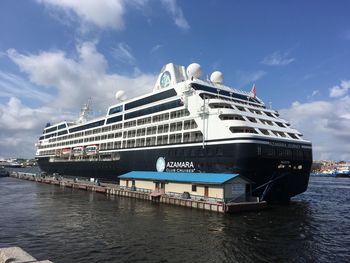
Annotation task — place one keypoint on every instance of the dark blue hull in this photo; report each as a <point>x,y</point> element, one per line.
<point>289,169</point>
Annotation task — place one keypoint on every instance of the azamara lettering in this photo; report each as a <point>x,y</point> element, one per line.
<point>179,165</point>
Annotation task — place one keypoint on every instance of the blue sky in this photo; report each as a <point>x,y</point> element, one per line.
<point>55,54</point>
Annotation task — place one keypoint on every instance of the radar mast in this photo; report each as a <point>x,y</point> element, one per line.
<point>85,111</point>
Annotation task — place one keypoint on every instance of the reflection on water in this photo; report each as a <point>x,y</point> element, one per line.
<point>66,225</point>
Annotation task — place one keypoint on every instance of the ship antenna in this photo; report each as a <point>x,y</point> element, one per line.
<point>85,111</point>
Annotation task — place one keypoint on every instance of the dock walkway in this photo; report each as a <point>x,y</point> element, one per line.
<point>114,189</point>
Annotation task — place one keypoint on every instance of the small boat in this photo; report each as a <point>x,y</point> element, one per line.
<point>343,173</point>
<point>11,164</point>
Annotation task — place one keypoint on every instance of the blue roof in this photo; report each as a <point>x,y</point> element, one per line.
<point>210,178</point>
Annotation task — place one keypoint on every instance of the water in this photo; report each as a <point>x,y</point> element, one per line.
<point>66,225</point>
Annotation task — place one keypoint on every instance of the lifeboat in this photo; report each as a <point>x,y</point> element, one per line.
<point>78,151</point>
<point>66,151</point>
<point>91,149</point>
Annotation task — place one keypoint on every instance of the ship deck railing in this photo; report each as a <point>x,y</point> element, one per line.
<point>82,160</point>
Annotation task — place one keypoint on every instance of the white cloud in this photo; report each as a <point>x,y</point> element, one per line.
<point>14,86</point>
<point>74,81</point>
<point>313,94</point>
<point>102,13</point>
<point>15,116</point>
<point>123,54</point>
<point>326,124</point>
<point>155,48</point>
<point>244,77</point>
<point>176,13</point>
<point>340,90</point>
<point>21,126</point>
<point>106,14</point>
<point>278,59</point>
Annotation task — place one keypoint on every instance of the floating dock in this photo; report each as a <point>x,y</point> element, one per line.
<point>115,189</point>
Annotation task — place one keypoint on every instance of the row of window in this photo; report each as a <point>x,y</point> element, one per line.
<point>62,132</point>
<point>87,126</point>
<point>150,110</point>
<point>242,118</point>
<point>154,109</point>
<point>143,101</point>
<point>190,124</point>
<point>186,137</point>
<point>243,130</point>
<point>51,129</point>
<point>114,119</point>
<point>48,152</point>
<point>223,92</point>
<point>289,154</point>
<point>155,140</point>
<point>115,109</point>
<point>150,99</point>
<point>263,131</point>
<point>240,108</point>
<point>211,96</point>
<point>163,128</point>
<point>197,152</point>
<point>128,124</point>
<point>158,118</point>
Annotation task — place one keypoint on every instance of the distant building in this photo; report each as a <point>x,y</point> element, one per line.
<point>330,166</point>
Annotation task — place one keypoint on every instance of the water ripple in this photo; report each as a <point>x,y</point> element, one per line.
<point>66,225</point>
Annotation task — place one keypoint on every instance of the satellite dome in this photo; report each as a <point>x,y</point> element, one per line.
<point>194,71</point>
<point>120,95</point>
<point>217,77</point>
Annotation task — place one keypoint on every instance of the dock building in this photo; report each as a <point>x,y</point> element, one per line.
<point>197,186</point>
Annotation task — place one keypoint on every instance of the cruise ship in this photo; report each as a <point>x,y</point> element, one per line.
<point>185,124</point>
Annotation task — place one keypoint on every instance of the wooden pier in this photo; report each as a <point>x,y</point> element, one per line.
<point>114,189</point>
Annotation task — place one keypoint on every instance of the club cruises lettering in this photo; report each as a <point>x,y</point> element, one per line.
<point>178,166</point>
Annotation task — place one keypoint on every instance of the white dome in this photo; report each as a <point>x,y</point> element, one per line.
<point>217,77</point>
<point>194,71</point>
<point>120,95</point>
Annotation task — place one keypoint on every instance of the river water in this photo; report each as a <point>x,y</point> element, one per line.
<point>66,225</point>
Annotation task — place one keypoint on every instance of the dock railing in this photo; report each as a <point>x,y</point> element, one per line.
<point>196,197</point>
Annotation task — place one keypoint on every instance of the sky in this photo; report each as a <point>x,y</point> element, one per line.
<point>55,54</point>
